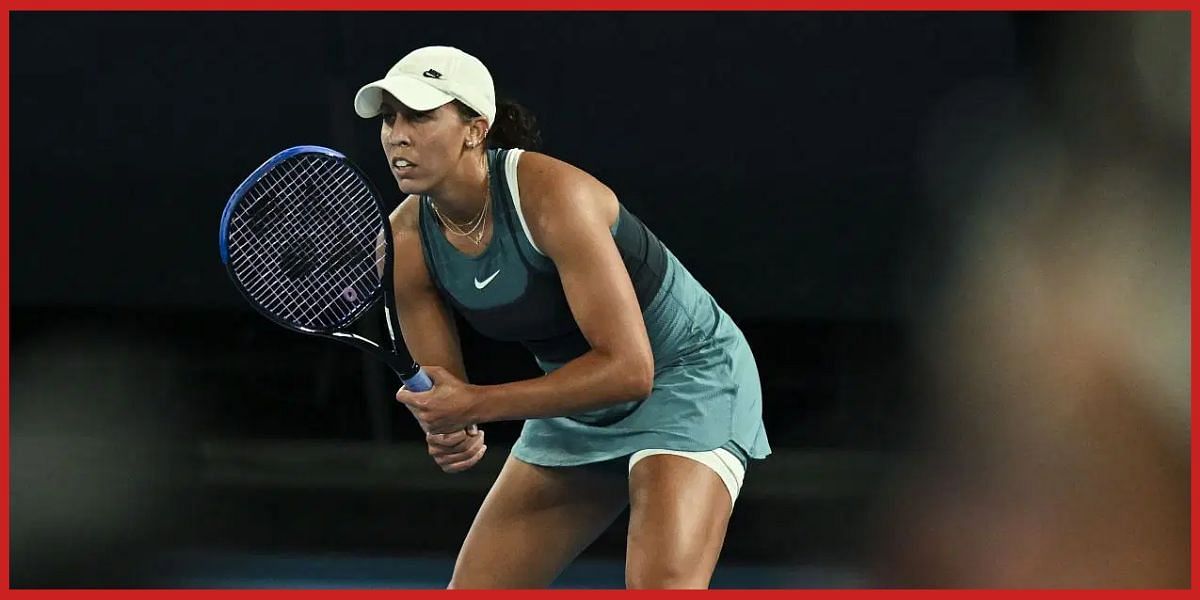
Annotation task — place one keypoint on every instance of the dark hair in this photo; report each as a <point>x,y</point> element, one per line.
<point>515,126</point>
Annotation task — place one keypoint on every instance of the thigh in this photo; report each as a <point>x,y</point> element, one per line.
<point>679,510</point>
<point>534,521</point>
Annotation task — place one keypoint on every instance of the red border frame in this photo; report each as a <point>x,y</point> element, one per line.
<point>4,297</point>
<point>1195,221</point>
<point>539,5</point>
<point>599,5</point>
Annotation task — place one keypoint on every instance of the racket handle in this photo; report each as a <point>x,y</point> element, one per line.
<point>419,382</point>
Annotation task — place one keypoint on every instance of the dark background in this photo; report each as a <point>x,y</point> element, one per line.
<point>783,157</point>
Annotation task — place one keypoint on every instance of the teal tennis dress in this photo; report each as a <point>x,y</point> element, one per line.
<point>706,391</point>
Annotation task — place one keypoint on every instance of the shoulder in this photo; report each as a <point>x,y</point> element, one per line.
<point>406,230</point>
<point>553,190</point>
<point>405,217</point>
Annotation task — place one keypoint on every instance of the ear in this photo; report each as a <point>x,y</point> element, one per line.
<point>476,132</point>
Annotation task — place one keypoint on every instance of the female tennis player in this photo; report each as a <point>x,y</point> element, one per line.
<point>650,397</point>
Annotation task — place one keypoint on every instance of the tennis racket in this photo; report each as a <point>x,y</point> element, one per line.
<point>307,242</point>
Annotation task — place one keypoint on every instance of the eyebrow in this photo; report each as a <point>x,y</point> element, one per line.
<point>411,114</point>
<point>400,107</point>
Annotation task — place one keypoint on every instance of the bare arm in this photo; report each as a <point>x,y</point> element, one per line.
<point>425,322</point>
<point>429,334</point>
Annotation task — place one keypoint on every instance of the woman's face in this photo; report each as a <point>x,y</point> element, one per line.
<point>422,148</point>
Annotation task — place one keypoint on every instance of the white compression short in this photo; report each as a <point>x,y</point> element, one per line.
<point>720,460</point>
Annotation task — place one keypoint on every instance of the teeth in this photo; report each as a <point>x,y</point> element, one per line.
<point>400,162</point>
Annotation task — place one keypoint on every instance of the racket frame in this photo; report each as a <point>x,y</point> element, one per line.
<point>395,357</point>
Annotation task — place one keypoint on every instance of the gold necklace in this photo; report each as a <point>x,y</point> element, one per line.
<point>468,230</point>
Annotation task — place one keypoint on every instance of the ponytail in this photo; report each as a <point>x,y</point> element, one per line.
<point>515,126</point>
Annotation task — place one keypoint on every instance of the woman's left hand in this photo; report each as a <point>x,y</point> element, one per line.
<point>447,408</point>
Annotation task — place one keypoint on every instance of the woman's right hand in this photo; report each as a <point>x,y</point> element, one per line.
<point>458,451</point>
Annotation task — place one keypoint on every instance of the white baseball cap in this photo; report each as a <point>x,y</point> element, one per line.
<point>429,77</point>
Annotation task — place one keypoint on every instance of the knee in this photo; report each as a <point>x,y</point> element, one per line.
<point>463,579</point>
<point>666,574</point>
<point>460,582</point>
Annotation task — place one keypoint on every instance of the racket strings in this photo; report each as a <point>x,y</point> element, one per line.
<point>276,234</point>
<point>277,182</point>
<point>295,293</point>
<point>298,257</point>
<point>270,226</point>
<point>306,242</point>
<point>292,257</point>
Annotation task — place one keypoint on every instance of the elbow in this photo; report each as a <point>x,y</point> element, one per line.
<point>628,372</point>
<point>639,376</point>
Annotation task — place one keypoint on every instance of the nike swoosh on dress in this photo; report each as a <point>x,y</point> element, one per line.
<point>479,285</point>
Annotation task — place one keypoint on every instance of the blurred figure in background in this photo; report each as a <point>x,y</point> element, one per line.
<point>101,472</point>
<point>1058,347</point>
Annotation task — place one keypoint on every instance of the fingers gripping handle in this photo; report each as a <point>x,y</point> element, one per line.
<point>420,382</point>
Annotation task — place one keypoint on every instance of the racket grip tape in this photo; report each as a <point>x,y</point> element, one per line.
<point>419,382</point>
